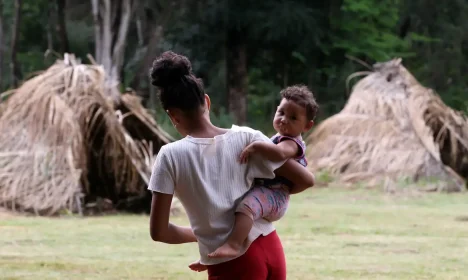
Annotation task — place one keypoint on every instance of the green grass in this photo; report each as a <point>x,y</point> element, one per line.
<point>327,234</point>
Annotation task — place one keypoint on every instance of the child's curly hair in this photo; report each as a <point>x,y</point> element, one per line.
<point>302,96</point>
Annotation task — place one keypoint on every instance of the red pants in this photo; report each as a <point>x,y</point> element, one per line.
<point>264,260</point>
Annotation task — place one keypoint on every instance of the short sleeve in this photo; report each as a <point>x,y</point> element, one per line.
<point>298,141</point>
<point>260,167</point>
<point>162,176</point>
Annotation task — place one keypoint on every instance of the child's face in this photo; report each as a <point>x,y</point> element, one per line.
<point>291,119</point>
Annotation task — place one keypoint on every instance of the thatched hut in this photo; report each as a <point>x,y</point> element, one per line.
<point>392,127</point>
<point>68,138</point>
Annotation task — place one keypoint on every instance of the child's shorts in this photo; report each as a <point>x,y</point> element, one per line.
<point>269,203</point>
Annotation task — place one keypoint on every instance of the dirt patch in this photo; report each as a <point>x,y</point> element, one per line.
<point>4,213</point>
<point>403,251</point>
<point>366,244</point>
<point>461,219</point>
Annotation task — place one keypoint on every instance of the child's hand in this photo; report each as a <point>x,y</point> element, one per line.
<point>244,156</point>
<point>197,266</point>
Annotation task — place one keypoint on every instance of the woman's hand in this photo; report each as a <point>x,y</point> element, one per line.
<point>160,228</point>
<point>301,178</point>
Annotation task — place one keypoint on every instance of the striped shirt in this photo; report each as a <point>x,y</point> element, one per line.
<point>208,180</point>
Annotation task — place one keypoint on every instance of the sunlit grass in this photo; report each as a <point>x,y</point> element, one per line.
<point>328,233</point>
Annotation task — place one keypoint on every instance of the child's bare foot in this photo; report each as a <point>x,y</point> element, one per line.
<point>225,251</point>
<point>197,266</point>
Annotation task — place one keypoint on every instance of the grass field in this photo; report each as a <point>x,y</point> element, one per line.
<point>328,233</point>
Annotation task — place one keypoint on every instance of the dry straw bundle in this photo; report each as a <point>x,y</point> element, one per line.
<point>68,133</point>
<point>392,127</point>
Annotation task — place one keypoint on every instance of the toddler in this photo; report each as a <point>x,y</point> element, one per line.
<point>269,198</point>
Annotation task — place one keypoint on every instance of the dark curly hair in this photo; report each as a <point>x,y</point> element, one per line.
<point>302,96</point>
<point>178,86</point>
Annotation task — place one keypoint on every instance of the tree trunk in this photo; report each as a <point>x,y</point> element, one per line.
<point>157,26</point>
<point>150,55</point>
<point>119,46</point>
<point>15,71</point>
<point>106,35</point>
<point>111,23</point>
<point>285,74</point>
<point>237,76</point>
<point>61,27</point>
<point>97,30</point>
<point>50,24</point>
<point>139,26</point>
<point>1,46</point>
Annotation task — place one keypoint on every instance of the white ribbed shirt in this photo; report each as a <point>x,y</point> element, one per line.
<point>204,173</point>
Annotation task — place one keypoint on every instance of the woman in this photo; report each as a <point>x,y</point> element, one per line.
<point>203,171</point>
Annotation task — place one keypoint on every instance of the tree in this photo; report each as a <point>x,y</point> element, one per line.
<point>237,79</point>
<point>439,35</point>
<point>151,21</point>
<point>14,66</point>
<point>61,26</point>
<point>111,23</point>
<point>275,28</point>
<point>1,43</point>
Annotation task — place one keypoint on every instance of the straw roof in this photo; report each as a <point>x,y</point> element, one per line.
<point>67,137</point>
<point>392,127</point>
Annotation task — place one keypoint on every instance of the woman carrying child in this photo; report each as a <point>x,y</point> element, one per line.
<point>200,170</point>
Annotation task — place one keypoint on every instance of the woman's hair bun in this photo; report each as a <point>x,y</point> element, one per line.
<point>169,68</point>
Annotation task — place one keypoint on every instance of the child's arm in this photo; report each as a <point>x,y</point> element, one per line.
<point>283,150</point>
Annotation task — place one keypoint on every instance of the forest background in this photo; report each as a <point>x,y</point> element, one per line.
<point>245,51</point>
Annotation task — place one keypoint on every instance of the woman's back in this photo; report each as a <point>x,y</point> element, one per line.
<point>209,181</point>
<point>205,175</point>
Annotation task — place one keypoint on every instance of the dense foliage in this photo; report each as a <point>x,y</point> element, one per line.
<point>255,48</point>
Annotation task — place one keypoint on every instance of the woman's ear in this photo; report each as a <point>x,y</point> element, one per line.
<point>207,101</point>
<point>175,121</point>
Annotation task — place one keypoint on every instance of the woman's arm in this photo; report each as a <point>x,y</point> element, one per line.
<point>160,228</point>
<point>290,169</point>
<point>162,185</point>
<point>301,178</point>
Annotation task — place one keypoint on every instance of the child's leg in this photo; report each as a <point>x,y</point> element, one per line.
<point>279,200</point>
<point>260,202</point>
<point>240,231</point>
<point>264,202</point>
<point>248,210</point>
